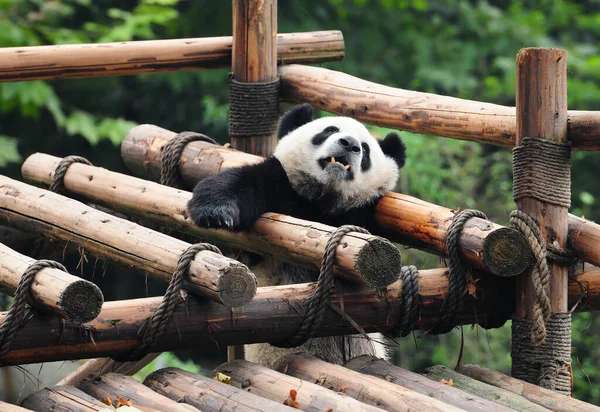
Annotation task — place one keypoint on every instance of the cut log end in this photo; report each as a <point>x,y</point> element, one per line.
<point>81,301</point>
<point>379,262</point>
<point>237,286</point>
<point>506,252</point>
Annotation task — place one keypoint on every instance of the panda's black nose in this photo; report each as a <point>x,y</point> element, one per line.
<point>350,144</point>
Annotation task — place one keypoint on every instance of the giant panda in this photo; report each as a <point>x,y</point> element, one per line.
<point>329,170</point>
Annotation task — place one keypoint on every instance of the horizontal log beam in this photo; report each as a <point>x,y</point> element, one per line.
<point>216,277</point>
<point>274,314</point>
<point>53,290</point>
<point>93,368</point>
<point>405,219</point>
<point>419,112</point>
<point>361,258</point>
<point>65,398</point>
<point>154,56</point>
<point>208,395</point>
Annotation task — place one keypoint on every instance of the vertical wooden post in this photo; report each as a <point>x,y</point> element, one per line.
<point>541,109</point>
<point>255,58</point>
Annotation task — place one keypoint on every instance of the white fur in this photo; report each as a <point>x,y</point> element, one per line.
<point>299,156</point>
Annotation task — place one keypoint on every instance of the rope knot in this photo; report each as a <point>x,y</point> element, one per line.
<point>171,155</point>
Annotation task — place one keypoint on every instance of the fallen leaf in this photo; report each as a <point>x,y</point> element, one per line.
<point>221,377</point>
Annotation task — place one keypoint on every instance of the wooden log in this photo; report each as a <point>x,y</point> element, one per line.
<point>419,112</point>
<point>542,112</point>
<point>114,386</point>
<point>254,58</point>
<point>216,277</point>
<point>360,258</point>
<point>389,372</point>
<point>9,407</point>
<point>500,396</point>
<point>541,396</point>
<point>208,395</point>
<point>271,316</point>
<point>405,219</point>
<point>72,298</point>
<point>154,56</point>
<point>62,399</point>
<point>366,389</point>
<point>94,368</point>
<point>276,386</point>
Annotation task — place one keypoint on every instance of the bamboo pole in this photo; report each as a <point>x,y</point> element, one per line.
<point>405,219</point>
<point>364,388</point>
<point>155,56</point>
<point>500,396</point>
<point>419,112</point>
<point>72,298</point>
<point>541,396</point>
<point>94,368</point>
<point>254,58</point>
<point>271,316</point>
<point>388,372</point>
<point>276,386</point>
<point>115,386</point>
<point>62,398</point>
<point>216,277</point>
<point>360,258</point>
<point>208,395</point>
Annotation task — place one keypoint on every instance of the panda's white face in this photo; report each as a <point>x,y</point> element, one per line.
<point>340,156</point>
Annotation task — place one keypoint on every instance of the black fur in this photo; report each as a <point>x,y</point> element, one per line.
<point>294,118</point>
<point>235,198</point>
<point>365,163</point>
<point>394,147</point>
<point>319,138</point>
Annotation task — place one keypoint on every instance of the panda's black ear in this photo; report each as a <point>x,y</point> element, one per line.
<point>394,147</point>
<point>294,118</point>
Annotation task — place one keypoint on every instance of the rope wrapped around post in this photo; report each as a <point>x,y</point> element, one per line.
<point>253,108</point>
<point>155,325</point>
<point>171,155</point>
<point>17,314</point>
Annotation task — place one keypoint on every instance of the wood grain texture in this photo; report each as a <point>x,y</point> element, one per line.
<point>286,238</point>
<point>155,56</point>
<point>541,396</point>
<point>208,395</point>
<point>419,112</point>
<point>93,368</point>
<point>272,315</point>
<point>57,217</point>
<point>62,399</point>
<point>53,290</point>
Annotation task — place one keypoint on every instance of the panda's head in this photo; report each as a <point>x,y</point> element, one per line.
<point>336,159</point>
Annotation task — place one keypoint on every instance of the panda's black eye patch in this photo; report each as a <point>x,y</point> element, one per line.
<point>322,136</point>
<point>365,163</point>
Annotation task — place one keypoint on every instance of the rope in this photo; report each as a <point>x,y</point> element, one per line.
<point>58,180</point>
<point>320,298</point>
<point>171,156</point>
<point>156,325</point>
<point>17,313</point>
<point>410,300</point>
<point>457,272</point>
<point>253,108</point>
<point>548,365</point>
<point>540,274</point>
<point>542,170</point>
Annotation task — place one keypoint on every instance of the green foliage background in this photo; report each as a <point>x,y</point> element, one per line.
<point>458,47</point>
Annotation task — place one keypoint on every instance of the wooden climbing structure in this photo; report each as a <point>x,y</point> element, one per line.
<point>122,218</point>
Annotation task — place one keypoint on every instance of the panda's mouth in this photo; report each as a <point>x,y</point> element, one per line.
<point>343,160</point>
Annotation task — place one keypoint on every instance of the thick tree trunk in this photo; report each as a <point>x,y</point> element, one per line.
<point>74,299</point>
<point>155,56</point>
<point>360,258</point>
<point>211,275</point>
<point>544,397</point>
<point>419,112</point>
<point>208,395</point>
<point>273,315</point>
<point>366,389</point>
<point>389,372</point>
<point>114,387</point>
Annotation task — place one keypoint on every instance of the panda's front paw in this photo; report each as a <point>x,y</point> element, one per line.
<point>223,216</point>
